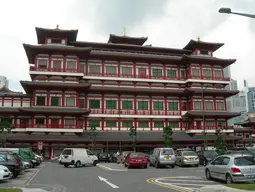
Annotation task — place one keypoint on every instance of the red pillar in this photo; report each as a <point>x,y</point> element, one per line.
<point>166,109</point>
<point>214,103</point>
<point>150,105</point>
<point>164,71</point>
<point>64,64</point>
<point>134,70</point>
<point>135,105</point>
<point>149,70</point>
<point>78,65</point>
<point>151,124</point>
<point>63,98</point>
<point>118,70</point>
<point>102,123</point>
<point>103,68</point>
<point>201,71</point>
<point>48,99</point>
<point>86,67</point>
<point>102,107</point>
<point>212,72</point>
<point>179,73</point>
<point>77,99</point>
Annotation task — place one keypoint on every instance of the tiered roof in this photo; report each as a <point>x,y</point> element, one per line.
<point>192,45</point>
<point>127,40</point>
<point>5,91</point>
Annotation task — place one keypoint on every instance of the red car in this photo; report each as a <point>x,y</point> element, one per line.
<point>134,159</point>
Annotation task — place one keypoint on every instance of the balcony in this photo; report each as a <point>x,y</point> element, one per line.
<point>48,128</point>
<point>209,129</point>
<point>135,112</point>
<point>56,70</point>
<point>208,78</point>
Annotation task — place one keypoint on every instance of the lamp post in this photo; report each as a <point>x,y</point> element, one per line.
<point>228,11</point>
<point>203,113</point>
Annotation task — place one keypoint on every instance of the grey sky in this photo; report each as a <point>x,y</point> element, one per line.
<point>169,23</point>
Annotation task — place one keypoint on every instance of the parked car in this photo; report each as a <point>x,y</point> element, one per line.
<point>135,159</point>
<point>4,171</point>
<point>240,152</point>
<point>187,158</point>
<point>206,156</point>
<point>78,157</point>
<point>12,162</point>
<point>26,163</point>
<point>122,156</point>
<point>162,157</point>
<point>232,168</point>
<point>105,157</point>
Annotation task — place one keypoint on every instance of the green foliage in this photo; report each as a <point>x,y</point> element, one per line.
<point>92,132</point>
<point>6,126</point>
<point>220,145</point>
<point>167,135</point>
<point>132,134</point>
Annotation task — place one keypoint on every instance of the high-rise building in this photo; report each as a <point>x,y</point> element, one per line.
<point>251,99</point>
<point>115,86</point>
<point>3,82</point>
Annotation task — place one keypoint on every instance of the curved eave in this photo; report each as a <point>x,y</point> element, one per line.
<point>138,91</point>
<point>43,33</point>
<point>127,40</point>
<point>192,45</point>
<point>55,110</point>
<point>9,110</point>
<point>15,95</point>
<point>213,114</point>
<point>211,92</point>
<point>33,50</point>
<point>208,60</point>
<point>130,47</point>
<point>241,130</point>
<point>30,86</point>
<point>136,57</point>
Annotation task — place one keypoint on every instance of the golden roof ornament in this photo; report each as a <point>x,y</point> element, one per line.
<point>125,31</point>
<point>198,38</point>
<point>57,27</point>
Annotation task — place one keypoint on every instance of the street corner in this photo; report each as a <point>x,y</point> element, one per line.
<point>181,183</point>
<point>112,166</point>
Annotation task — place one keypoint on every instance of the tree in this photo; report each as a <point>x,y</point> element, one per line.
<point>93,134</point>
<point>167,135</point>
<point>5,128</point>
<point>220,145</point>
<point>132,134</point>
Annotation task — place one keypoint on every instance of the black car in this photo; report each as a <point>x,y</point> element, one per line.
<point>105,157</point>
<point>206,156</point>
<point>12,162</point>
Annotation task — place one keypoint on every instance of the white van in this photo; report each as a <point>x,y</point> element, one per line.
<point>78,157</point>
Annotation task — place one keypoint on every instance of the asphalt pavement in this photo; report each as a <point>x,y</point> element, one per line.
<point>107,177</point>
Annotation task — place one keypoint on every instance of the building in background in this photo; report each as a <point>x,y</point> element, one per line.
<point>115,86</point>
<point>251,99</point>
<point>4,82</point>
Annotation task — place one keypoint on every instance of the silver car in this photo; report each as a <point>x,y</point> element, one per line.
<point>232,168</point>
<point>162,157</point>
<point>187,158</point>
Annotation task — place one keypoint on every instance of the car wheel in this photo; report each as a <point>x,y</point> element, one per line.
<point>95,162</point>
<point>157,164</point>
<point>229,179</point>
<point>128,166</point>
<point>125,164</point>
<point>66,165</point>
<point>145,167</point>
<point>208,174</point>
<point>15,174</point>
<point>173,166</point>
<point>77,164</point>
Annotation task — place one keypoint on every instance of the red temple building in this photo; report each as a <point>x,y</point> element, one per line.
<point>117,85</point>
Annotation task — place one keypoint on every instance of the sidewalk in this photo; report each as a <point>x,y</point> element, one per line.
<point>32,190</point>
<point>220,188</point>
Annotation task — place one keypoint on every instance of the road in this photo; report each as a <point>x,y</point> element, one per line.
<point>108,177</point>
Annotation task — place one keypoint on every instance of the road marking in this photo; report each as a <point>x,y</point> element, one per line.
<point>107,182</point>
<point>109,168</point>
<point>32,177</point>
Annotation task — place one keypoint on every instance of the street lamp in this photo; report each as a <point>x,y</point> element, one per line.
<point>203,113</point>
<point>228,11</point>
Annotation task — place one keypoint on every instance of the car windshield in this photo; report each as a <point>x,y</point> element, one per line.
<point>244,161</point>
<point>167,152</point>
<point>252,150</point>
<point>189,153</point>
<point>132,155</point>
<point>67,152</point>
<point>2,159</point>
<point>210,153</point>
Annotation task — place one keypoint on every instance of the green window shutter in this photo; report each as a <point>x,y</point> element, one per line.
<point>40,100</point>
<point>143,105</point>
<point>158,105</point>
<point>94,104</point>
<point>111,124</point>
<point>171,73</point>
<point>111,104</point>
<point>159,124</point>
<point>174,124</point>
<point>127,105</point>
<point>94,123</point>
<point>127,124</point>
<point>157,72</point>
<point>173,106</point>
<point>55,101</point>
<point>143,124</point>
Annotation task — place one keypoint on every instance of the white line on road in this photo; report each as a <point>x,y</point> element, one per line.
<point>186,180</point>
<point>31,178</point>
<point>105,180</point>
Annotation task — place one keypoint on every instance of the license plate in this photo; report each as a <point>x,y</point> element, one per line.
<point>167,158</point>
<point>250,176</point>
<point>138,160</point>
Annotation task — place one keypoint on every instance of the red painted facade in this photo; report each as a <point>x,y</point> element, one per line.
<point>118,85</point>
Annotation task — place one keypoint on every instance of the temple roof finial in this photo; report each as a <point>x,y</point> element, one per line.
<point>57,26</point>
<point>125,31</point>
<point>198,38</point>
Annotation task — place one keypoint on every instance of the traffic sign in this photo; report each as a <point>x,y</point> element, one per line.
<point>40,145</point>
